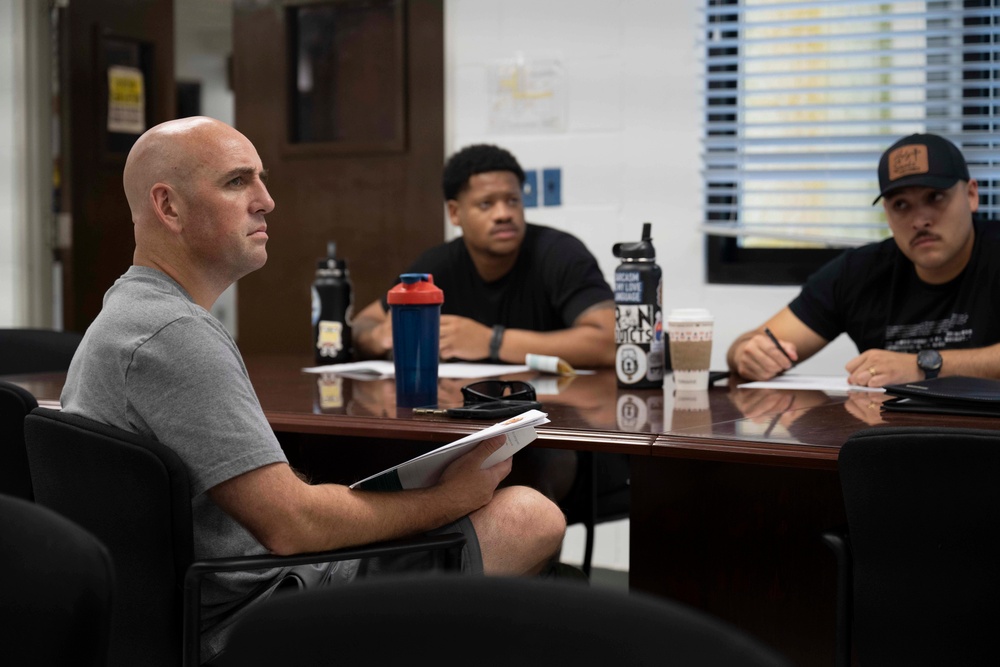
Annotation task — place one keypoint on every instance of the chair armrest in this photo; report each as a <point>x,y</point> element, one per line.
<point>451,544</point>
<point>839,542</point>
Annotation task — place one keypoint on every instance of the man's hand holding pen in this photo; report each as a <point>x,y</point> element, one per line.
<point>764,356</point>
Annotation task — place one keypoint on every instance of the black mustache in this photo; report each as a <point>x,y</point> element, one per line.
<point>923,235</point>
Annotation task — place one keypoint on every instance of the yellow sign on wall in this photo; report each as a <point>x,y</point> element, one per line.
<point>126,100</point>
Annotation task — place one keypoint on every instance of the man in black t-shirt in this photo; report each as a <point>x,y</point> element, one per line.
<point>510,288</point>
<point>918,305</point>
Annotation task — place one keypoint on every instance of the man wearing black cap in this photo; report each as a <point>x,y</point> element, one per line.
<point>918,305</point>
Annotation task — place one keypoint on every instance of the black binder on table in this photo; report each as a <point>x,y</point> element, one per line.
<point>951,395</point>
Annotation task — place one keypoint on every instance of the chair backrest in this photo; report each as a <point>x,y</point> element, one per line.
<point>56,582</point>
<point>133,494</point>
<point>601,490</point>
<point>923,510</point>
<point>36,350</point>
<point>15,404</point>
<point>484,621</point>
<point>600,493</point>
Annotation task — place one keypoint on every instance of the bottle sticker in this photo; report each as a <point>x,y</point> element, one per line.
<point>657,344</point>
<point>316,306</point>
<point>632,413</point>
<point>331,391</point>
<point>331,338</point>
<point>635,324</point>
<point>628,287</point>
<point>630,363</point>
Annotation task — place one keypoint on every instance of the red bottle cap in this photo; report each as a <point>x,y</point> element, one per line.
<point>415,288</point>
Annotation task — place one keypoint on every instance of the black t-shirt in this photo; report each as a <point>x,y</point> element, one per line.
<point>553,281</point>
<point>874,295</point>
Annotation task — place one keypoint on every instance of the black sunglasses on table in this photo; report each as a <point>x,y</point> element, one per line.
<point>486,391</point>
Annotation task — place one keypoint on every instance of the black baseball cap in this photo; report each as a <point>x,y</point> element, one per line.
<point>925,160</point>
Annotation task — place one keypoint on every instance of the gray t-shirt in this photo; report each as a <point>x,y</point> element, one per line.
<point>157,364</point>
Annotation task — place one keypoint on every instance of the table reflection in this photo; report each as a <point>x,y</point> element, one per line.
<point>582,400</point>
<point>585,403</point>
<point>866,406</point>
<point>596,401</point>
<point>639,413</point>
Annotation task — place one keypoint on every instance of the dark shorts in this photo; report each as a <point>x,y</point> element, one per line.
<point>306,577</point>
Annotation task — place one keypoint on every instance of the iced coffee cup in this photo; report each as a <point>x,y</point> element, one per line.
<point>690,332</point>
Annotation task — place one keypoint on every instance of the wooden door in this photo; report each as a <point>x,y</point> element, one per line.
<point>117,76</point>
<point>353,141</point>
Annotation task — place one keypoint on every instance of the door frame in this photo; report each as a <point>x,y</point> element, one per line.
<point>32,224</point>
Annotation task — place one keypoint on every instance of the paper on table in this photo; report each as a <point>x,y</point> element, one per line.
<point>377,370</point>
<point>425,469</point>
<point>461,369</point>
<point>360,370</point>
<point>812,382</point>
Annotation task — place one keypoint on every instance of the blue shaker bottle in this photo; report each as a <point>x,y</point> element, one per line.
<point>416,318</point>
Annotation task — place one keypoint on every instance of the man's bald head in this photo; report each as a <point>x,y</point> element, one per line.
<point>198,199</point>
<point>169,153</point>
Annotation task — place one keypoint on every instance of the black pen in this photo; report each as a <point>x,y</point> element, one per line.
<point>778,345</point>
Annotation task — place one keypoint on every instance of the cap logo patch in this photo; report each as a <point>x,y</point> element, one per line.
<point>907,160</point>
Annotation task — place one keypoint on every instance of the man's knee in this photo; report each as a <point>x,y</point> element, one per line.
<point>519,531</point>
<point>533,513</point>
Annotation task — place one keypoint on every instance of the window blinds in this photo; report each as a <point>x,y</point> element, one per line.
<point>801,99</point>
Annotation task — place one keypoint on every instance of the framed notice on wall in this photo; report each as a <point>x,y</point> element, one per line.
<point>126,100</point>
<point>126,72</point>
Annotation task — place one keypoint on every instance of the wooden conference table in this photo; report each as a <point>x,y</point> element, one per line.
<point>730,488</point>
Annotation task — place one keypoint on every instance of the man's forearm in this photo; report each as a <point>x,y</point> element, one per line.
<point>580,346</point>
<point>878,367</point>
<point>372,516</point>
<point>332,516</point>
<point>977,362</point>
<point>590,342</point>
<point>367,332</point>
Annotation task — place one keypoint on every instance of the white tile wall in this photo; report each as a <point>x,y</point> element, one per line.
<point>630,152</point>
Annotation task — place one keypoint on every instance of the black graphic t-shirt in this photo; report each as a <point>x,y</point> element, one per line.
<point>873,294</point>
<point>553,281</point>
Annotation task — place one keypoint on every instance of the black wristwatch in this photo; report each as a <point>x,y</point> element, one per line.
<point>929,361</point>
<point>495,340</point>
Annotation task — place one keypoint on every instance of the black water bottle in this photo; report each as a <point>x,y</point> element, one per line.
<point>641,348</point>
<point>332,309</point>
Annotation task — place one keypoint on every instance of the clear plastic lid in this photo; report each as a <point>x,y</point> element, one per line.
<point>690,315</point>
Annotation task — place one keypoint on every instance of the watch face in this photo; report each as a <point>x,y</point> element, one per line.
<point>929,360</point>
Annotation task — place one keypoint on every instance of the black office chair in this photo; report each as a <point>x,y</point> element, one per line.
<point>56,582</point>
<point>600,493</point>
<point>486,621</point>
<point>36,350</point>
<point>919,581</point>
<point>15,404</point>
<point>133,494</point>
